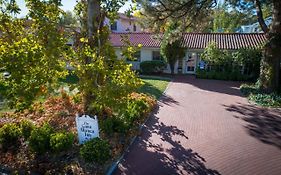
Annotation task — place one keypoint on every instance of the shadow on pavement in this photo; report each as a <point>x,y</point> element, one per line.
<point>261,123</point>
<point>219,86</point>
<point>167,156</point>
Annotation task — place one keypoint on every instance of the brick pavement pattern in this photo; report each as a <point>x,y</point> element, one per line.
<point>206,127</point>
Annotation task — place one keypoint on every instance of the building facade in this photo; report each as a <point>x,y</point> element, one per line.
<point>195,43</point>
<point>123,24</point>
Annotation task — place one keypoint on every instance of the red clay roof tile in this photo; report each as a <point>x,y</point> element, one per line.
<point>229,41</point>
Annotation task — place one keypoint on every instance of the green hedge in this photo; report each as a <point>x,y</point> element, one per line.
<point>234,76</point>
<point>96,150</point>
<point>151,67</point>
<point>242,64</point>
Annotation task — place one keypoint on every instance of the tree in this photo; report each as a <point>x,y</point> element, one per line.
<point>104,81</point>
<point>68,19</point>
<point>161,11</point>
<point>227,21</point>
<point>31,54</point>
<point>171,48</point>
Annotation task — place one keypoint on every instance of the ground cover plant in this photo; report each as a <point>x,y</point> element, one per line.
<point>260,97</point>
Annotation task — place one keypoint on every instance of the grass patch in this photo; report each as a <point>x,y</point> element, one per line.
<point>70,79</point>
<point>154,85</point>
<point>260,98</point>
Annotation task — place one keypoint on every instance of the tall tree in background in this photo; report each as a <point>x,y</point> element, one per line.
<point>227,21</point>
<point>162,11</point>
<point>171,48</point>
<point>270,63</point>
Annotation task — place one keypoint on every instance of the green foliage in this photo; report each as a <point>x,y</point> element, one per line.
<point>234,76</point>
<point>154,66</point>
<point>113,125</point>
<point>30,52</point>
<point>61,141</point>
<point>171,48</point>
<point>214,55</point>
<point>133,110</point>
<point>9,135</point>
<point>96,150</point>
<point>104,80</point>
<point>68,19</point>
<point>70,78</point>
<point>26,128</point>
<point>242,64</point>
<point>39,140</point>
<point>259,97</point>
<point>251,59</point>
<point>227,21</point>
<point>186,12</point>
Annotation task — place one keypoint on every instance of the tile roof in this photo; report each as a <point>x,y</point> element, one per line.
<point>229,41</point>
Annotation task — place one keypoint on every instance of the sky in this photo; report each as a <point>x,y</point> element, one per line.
<point>67,5</point>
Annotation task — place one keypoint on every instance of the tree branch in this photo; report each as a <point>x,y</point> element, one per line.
<point>260,18</point>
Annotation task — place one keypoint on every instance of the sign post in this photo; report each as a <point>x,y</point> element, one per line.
<point>87,128</point>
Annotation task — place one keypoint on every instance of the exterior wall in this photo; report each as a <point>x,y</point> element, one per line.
<point>125,25</point>
<point>146,55</point>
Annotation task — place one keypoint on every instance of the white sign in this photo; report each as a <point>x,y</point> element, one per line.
<point>87,128</point>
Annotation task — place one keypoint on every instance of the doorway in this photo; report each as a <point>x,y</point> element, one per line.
<point>191,63</point>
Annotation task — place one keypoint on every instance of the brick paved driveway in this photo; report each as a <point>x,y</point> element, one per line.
<point>207,127</point>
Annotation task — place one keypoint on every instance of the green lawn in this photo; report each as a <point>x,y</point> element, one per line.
<point>154,85</point>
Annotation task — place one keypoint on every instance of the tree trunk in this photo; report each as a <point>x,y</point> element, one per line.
<point>270,64</point>
<point>260,18</point>
<point>93,23</point>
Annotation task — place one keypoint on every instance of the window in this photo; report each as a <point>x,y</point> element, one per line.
<point>113,26</point>
<point>156,55</point>
<point>135,28</point>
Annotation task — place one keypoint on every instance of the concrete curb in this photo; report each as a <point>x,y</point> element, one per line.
<point>116,163</point>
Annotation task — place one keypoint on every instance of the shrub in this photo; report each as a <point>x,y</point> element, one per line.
<point>150,67</point>
<point>111,125</point>
<point>61,141</point>
<point>39,140</point>
<point>247,89</point>
<point>134,109</point>
<point>96,150</point>
<point>26,128</point>
<point>234,76</point>
<point>9,135</point>
<point>263,99</point>
<point>259,97</point>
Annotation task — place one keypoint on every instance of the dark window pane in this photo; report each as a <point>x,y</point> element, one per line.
<point>113,26</point>
<point>156,55</point>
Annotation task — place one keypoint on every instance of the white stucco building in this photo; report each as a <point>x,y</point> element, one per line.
<point>195,43</point>
<point>124,24</point>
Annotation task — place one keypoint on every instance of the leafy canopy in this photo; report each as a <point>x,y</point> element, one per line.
<point>31,50</point>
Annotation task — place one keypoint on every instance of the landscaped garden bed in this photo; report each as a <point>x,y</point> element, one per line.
<point>43,139</point>
<point>259,97</point>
